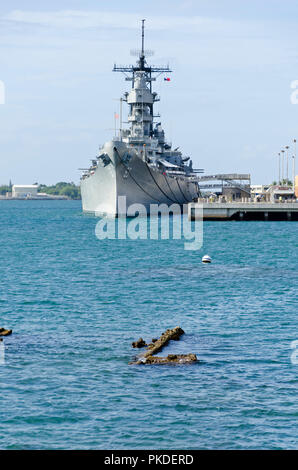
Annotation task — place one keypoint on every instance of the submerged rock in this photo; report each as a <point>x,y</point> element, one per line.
<point>173,334</point>
<point>148,357</point>
<point>139,344</point>
<point>170,359</point>
<point>4,332</point>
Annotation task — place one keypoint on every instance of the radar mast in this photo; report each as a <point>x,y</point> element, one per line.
<point>141,98</point>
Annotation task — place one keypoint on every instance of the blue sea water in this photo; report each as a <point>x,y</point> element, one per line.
<point>76,303</point>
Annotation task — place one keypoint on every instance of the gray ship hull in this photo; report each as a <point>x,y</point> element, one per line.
<point>136,180</point>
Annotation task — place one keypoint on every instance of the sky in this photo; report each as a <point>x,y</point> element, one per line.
<point>228,104</point>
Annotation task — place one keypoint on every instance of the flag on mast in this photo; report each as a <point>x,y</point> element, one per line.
<point>167,79</point>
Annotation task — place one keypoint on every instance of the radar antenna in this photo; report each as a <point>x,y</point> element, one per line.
<point>143,35</point>
<point>138,52</point>
<point>141,63</point>
<point>142,56</point>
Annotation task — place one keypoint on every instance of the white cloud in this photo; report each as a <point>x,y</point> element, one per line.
<point>198,41</point>
<point>79,19</point>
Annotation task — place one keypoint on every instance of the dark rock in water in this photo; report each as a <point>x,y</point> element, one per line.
<point>170,359</point>
<point>157,344</point>
<point>4,332</point>
<point>139,344</point>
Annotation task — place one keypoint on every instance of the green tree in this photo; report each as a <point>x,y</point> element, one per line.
<point>62,189</point>
<point>4,189</point>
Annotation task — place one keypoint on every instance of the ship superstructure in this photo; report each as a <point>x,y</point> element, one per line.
<point>138,163</point>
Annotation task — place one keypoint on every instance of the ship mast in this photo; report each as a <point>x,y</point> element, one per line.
<point>141,98</point>
<point>142,56</point>
<point>141,64</point>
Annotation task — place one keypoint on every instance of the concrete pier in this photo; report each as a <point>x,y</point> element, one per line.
<point>245,211</point>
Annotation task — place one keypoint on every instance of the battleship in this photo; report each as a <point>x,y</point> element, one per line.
<point>138,163</point>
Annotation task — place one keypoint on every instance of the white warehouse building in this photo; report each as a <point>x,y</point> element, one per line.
<point>23,191</point>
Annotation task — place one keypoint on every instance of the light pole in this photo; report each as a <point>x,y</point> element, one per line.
<point>287,149</point>
<point>282,166</point>
<point>294,164</point>
<point>279,168</point>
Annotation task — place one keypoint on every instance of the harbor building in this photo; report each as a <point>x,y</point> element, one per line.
<point>24,191</point>
<point>259,191</point>
<point>229,187</point>
<point>281,194</point>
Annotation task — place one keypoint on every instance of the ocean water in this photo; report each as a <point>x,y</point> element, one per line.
<point>75,304</point>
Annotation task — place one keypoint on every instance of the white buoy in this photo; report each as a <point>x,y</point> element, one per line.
<point>206,259</point>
